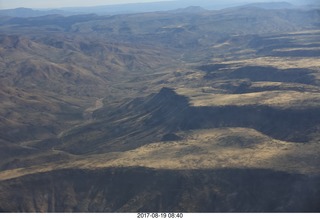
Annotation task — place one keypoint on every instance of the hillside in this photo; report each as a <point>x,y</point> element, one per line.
<point>189,110</point>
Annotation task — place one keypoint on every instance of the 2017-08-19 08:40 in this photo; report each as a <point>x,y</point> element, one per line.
<point>160,215</point>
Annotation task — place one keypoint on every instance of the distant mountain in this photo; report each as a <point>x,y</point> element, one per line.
<point>27,12</point>
<point>190,9</point>
<point>122,8</point>
<point>153,6</point>
<point>177,6</point>
<point>271,5</point>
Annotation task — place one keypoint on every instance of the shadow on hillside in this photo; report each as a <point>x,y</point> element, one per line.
<point>149,190</point>
<point>260,73</point>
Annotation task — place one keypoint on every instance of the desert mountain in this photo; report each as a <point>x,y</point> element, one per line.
<point>178,5</point>
<point>189,110</point>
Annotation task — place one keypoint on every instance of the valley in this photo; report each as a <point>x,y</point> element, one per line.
<point>171,111</point>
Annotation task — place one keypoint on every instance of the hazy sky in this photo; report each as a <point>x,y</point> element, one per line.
<point>5,4</point>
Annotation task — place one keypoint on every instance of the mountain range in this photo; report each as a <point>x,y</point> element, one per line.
<point>153,6</point>
<point>186,110</point>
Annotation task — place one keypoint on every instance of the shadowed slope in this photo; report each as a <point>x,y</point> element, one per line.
<point>148,190</point>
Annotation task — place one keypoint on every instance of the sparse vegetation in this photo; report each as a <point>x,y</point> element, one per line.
<point>222,106</point>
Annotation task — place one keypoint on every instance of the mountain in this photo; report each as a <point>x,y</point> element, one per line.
<point>141,8</point>
<point>28,12</point>
<point>270,5</point>
<point>170,30</point>
<point>174,5</point>
<point>191,9</point>
<point>187,110</point>
<point>51,76</point>
<point>113,9</point>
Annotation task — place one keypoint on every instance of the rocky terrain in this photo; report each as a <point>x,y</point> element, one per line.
<point>186,111</point>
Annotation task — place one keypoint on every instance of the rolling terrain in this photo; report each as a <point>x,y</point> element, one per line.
<point>188,110</point>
